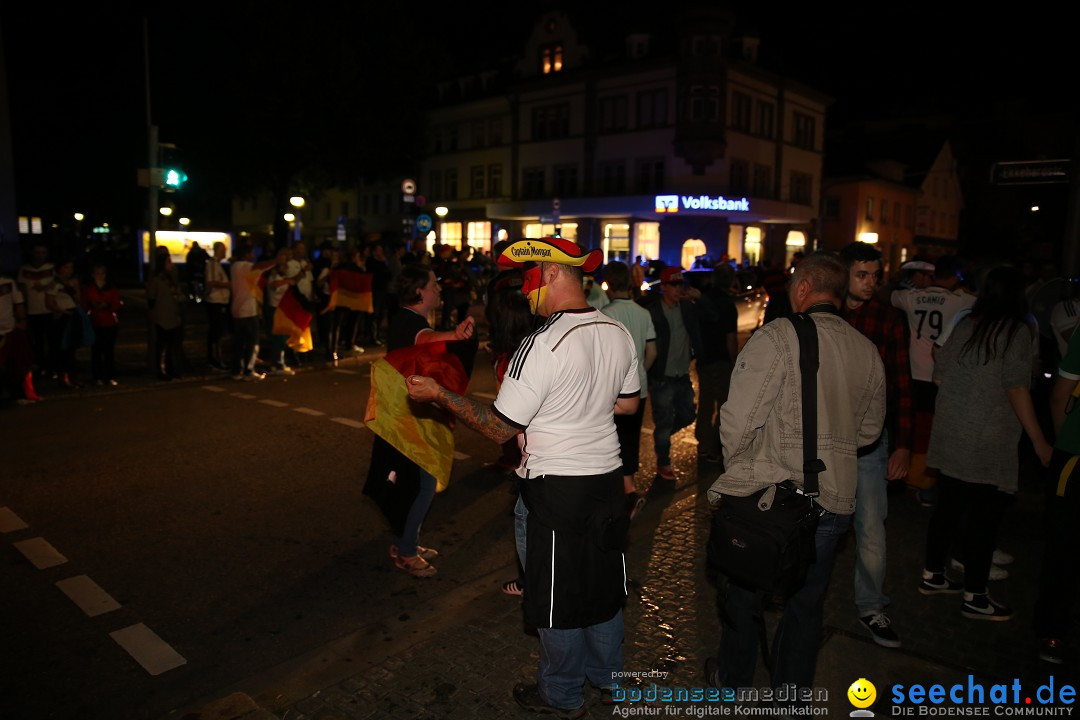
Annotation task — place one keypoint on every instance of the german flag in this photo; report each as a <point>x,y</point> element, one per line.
<point>258,277</point>
<point>422,433</point>
<point>292,318</point>
<point>351,289</point>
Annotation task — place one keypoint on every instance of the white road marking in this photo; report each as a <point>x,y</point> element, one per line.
<point>308,411</point>
<point>10,522</point>
<point>88,595</point>
<point>274,403</point>
<point>39,552</point>
<point>486,396</point>
<point>154,654</point>
<point>346,372</point>
<point>347,421</point>
<point>243,396</point>
<point>214,388</point>
<point>458,455</point>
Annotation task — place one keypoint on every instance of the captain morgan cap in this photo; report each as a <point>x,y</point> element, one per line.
<point>551,250</point>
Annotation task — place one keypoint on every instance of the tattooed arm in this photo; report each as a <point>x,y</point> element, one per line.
<point>481,418</point>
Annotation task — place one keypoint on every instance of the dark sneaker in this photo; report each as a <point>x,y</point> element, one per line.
<point>878,625</point>
<point>1052,650</point>
<point>938,584</point>
<point>528,697</point>
<point>665,472</point>
<point>984,607</point>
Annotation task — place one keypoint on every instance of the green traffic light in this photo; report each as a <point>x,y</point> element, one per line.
<point>175,177</point>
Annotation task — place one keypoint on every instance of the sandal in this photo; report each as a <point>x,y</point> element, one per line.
<point>514,587</point>
<point>426,553</point>
<point>415,565</point>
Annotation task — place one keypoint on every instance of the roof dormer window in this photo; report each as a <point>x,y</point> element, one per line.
<point>551,58</point>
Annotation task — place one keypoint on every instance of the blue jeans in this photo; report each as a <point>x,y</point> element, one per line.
<point>798,636</point>
<point>871,509</point>
<point>672,409</point>
<point>570,656</point>
<point>410,536</point>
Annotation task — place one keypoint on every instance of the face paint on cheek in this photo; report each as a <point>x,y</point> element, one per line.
<point>531,285</point>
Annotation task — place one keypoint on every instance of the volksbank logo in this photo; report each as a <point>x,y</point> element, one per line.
<point>672,203</point>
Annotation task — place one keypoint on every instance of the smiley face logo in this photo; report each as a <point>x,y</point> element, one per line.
<point>862,693</point>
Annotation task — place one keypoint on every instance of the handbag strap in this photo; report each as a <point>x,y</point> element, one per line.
<point>806,330</point>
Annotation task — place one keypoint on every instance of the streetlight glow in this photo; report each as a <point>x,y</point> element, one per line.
<point>79,217</point>
<point>289,217</point>
<point>185,221</point>
<point>166,211</point>
<point>441,211</point>
<point>296,201</point>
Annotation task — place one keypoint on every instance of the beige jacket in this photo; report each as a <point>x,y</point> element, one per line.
<point>761,422</point>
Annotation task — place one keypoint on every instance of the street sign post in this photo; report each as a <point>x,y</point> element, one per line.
<point>1030,172</point>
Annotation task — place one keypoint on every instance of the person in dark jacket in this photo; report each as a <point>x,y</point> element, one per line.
<point>678,342</point>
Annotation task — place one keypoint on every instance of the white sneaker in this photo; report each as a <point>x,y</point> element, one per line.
<point>996,573</point>
<point>284,370</point>
<point>1002,558</point>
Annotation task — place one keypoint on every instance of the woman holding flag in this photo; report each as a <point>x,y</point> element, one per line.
<point>395,459</point>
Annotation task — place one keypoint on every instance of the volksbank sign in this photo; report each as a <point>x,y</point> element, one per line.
<point>673,203</point>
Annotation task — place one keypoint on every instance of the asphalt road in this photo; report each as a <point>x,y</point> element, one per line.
<point>225,518</point>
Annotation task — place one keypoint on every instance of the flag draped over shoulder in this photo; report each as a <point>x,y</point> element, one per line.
<point>292,318</point>
<point>421,432</point>
<point>258,277</point>
<point>350,288</point>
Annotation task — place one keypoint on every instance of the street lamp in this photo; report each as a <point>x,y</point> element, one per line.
<point>288,217</point>
<point>166,211</point>
<point>79,217</point>
<point>185,221</point>
<point>442,211</point>
<point>297,202</point>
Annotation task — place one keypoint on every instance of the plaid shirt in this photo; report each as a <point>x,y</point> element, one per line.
<point>887,328</point>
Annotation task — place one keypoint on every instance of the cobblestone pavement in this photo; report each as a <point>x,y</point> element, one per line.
<point>468,670</point>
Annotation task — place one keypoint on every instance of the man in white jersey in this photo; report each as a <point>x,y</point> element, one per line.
<point>564,385</point>
<point>930,312</point>
<point>35,279</point>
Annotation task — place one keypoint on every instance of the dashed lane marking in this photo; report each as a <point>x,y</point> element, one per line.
<point>243,396</point>
<point>10,522</point>
<point>274,403</point>
<point>348,422</point>
<point>309,411</point>
<point>346,372</point>
<point>39,552</point>
<point>486,396</point>
<point>214,388</point>
<point>154,654</point>
<point>88,595</point>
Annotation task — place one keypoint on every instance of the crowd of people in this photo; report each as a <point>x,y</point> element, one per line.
<point>931,380</point>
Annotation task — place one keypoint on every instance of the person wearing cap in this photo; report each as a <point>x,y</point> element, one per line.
<point>564,386</point>
<point>930,311</point>
<point>916,274</point>
<point>678,341</point>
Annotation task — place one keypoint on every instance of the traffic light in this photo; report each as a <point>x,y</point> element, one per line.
<point>175,178</point>
<point>172,176</point>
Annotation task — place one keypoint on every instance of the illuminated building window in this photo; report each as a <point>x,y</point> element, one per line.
<point>647,240</point>
<point>617,242</point>
<point>752,245</point>
<point>538,230</point>
<point>691,249</point>
<point>551,58</point>
<point>479,235</point>
<point>450,234</point>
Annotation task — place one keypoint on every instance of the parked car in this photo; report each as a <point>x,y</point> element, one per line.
<point>750,296</point>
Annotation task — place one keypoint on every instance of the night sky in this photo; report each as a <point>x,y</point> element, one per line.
<point>257,91</point>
